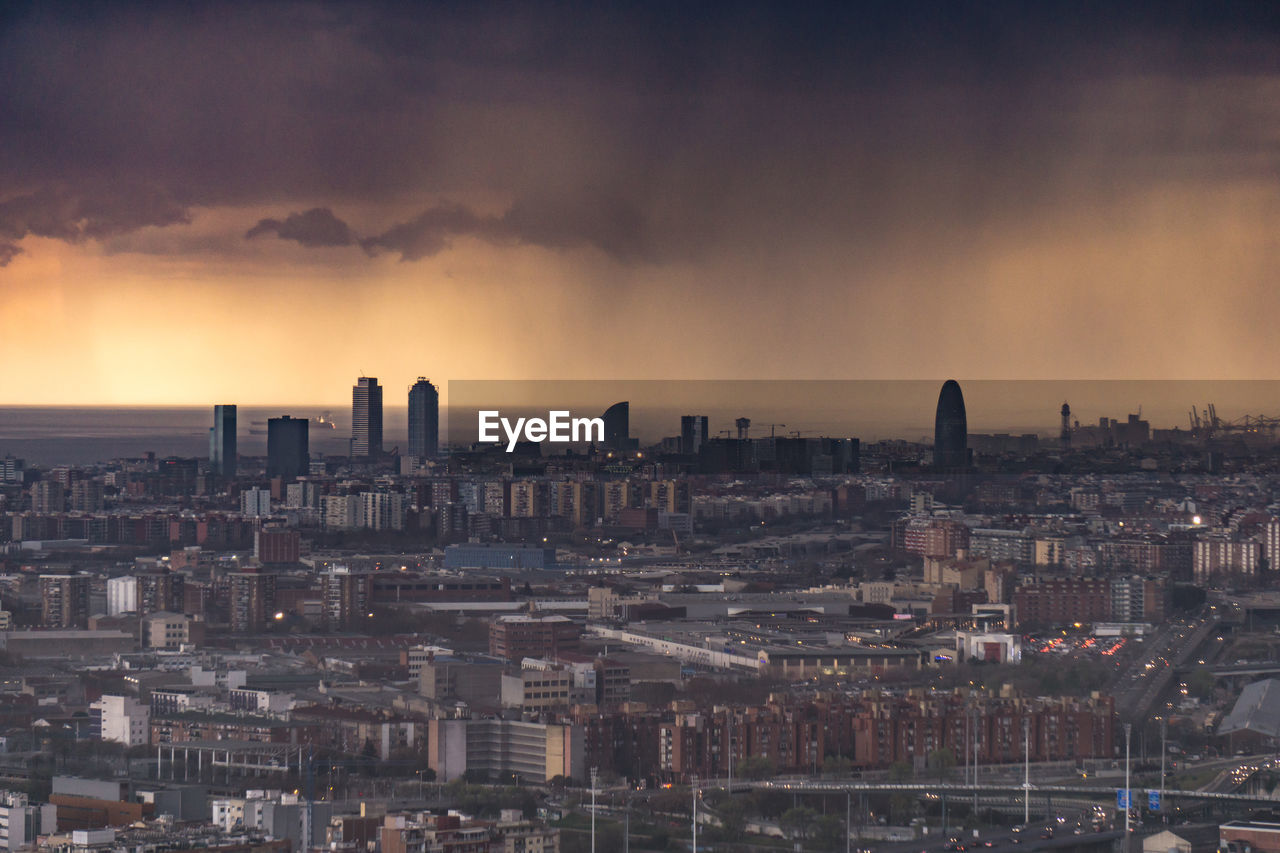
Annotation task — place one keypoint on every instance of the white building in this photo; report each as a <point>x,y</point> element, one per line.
<point>122,719</point>
<point>122,595</point>
<point>21,822</point>
<point>993,648</point>
<point>340,512</point>
<point>255,503</point>
<point>382,510</point>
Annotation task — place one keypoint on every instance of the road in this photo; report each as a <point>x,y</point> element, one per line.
<point>1139,688</point>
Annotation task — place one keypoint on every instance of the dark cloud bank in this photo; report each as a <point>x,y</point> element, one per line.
<point>609,225</point>
<point>644,131</point>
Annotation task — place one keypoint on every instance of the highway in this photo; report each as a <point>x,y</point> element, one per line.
<point>1148,677</point>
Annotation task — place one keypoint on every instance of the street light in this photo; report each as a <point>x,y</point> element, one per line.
<point>1026,770</point>
<point>694,786</point>
<point>1164,725</point>
<point>1128,792</point>
<point>594,777</point>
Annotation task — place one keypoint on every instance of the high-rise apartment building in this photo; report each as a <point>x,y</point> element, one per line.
<point>160,591</point>
<point>288,450</point>
<point>86,496</point>
<point>255,503</point>
<point>222,442</point>
<point>424,419</point>
<point>348,596</point>
<point>48,496</point>
<point>64,601</point>
<point>366,417</point>
<point>252,597</point>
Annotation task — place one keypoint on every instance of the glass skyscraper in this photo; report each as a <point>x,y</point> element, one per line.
<point>366,417</point>
<point>424,419</point>
<point>222,442</point>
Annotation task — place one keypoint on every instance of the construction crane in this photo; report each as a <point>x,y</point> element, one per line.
<point>1206,424</point>
<point>771,427</point>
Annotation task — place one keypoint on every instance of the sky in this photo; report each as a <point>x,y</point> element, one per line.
<point>258,202</point>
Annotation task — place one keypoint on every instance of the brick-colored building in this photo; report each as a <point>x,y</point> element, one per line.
<point>519,637</point>
<point>1061,601</point>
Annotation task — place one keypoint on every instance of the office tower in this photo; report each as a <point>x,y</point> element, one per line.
<point>693,433</point>
<point>64,601</point>
<point>950,430</point>
<point>366,417</point>
<point>222,442</point>
<point>617,427</point>
<point>424,419</point>
<point>288,453</point>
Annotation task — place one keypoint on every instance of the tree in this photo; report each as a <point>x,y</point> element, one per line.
<point>837,765</point>
<point>733,818</point>
<point>941,761</point>
<point>829,833</point>
<point>900,771</point>
<point>797,821</point>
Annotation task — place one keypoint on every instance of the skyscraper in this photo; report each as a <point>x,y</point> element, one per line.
<point>950,429</point>
<point>424,419</point>
<point>366,417</point>
<point>617,427</point>
<point>693,433</point>
<point>222,442</point>
<point>288,450</point>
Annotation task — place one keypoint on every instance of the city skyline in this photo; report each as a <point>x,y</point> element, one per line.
<point>849,426</point>
<point>842,191</point>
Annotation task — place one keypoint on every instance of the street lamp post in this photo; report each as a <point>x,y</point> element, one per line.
<point>1128,792</point>
<point>595,774</point>
<point>694,786</point>
<point>1164,726</point>
<point>976,740</point>
<point>1026,770</point>
<point>730,728</point>
<point>848,820</point>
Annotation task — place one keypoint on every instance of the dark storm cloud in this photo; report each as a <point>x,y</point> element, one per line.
<point>600,222</point>
<point>708,126</point>
<point>312,228</point>
<point>75,216</point>
<point>597,221</point>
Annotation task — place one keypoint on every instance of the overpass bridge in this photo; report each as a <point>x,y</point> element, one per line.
<point>960,789</point>
<point>1237,669</point>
